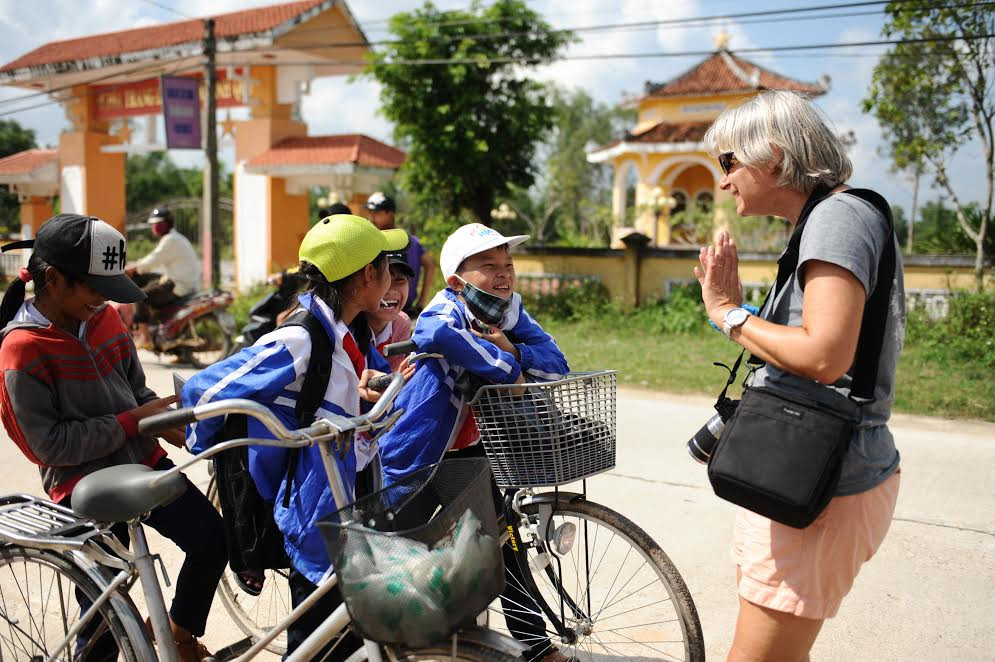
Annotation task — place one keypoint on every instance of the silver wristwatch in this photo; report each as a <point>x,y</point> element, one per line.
<point>734,318</point>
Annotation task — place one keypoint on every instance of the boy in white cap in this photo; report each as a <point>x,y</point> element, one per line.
<point>478,323</point>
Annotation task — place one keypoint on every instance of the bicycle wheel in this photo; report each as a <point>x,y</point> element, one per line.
<point>614,588</point>
<point>40,601</point>
<point>255,615</point>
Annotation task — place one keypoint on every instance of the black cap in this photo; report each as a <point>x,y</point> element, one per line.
<point>160,214</point>
<point>87,248</point>
<point>380,202</point>
<point>337,208</point>
<point>400,260</point>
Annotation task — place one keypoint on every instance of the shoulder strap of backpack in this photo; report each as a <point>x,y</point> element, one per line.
<point>872,328</point>
<point>319,371</point>
<point>875,319</point>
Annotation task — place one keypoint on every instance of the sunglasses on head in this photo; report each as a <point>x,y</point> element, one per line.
<point>727,160</point>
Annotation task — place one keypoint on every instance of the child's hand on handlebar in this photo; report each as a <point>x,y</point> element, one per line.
<point>365,392</point>
<point>407,368</point>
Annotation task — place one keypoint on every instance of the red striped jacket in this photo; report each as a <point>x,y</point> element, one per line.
<point>64,399</point>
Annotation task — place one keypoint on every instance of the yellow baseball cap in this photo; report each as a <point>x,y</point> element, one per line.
<point>343,244</point>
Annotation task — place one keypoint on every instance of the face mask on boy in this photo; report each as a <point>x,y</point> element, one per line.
<point>487,307</point>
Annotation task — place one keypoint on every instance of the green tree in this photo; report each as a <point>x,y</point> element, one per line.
<point>570,203</point>
<point>933,97</point>
<point>454,83</point>
<point>937,230</point>
<point>152,178</point>
<point>13,139</point>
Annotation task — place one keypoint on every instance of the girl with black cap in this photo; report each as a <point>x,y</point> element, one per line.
<point>74,391</point>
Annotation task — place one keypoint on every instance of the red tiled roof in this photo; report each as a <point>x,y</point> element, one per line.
<point>231,25</point>
<point>663,132</point>
<point>316,150</point>
<point>26,162</point>
<point>724,72</point>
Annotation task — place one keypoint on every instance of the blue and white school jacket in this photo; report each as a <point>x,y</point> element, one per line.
<point>272,372</point>
<point>434,410</point>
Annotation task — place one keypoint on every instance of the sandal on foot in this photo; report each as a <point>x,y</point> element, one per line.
<point>250,581</point>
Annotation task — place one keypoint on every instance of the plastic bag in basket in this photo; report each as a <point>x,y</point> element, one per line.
<point>399,590</point>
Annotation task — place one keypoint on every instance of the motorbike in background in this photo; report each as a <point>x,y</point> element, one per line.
<point>265,314</point>
<point>197,328</point>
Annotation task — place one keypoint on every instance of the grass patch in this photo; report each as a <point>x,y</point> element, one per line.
<point>945,368</point>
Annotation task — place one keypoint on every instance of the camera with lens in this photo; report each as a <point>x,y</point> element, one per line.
<point>703,442</point>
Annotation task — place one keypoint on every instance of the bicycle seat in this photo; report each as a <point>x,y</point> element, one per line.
<point>124,492</point>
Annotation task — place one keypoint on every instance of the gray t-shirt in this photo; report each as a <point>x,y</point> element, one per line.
<point>848,231</point>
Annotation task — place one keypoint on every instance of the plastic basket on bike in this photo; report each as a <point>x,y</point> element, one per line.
<point>422,558</point>
<point>548,433</point>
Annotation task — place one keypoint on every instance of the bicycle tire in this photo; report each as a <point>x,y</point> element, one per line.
<point>255,615</point>
<point>658,620</point>
<point>31,581</point>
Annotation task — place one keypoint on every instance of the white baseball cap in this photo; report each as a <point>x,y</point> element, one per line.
<point>469,240</point>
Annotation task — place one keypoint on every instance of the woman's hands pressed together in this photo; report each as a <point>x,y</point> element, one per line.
<point>718,274</point>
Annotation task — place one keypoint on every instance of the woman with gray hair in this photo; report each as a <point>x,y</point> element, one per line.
<point>781,158</point>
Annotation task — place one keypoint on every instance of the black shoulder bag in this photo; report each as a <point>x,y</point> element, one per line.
<point>781,456</point>
<point>254,540</point>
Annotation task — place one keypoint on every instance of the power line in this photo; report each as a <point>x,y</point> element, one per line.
<point>140,68</point>
<point>92,92</point>
<point>661,54</point>
<point>702,21</point>
<point>171,9</point>
<point>510,60</point>
<point>598,56</point>
<point>757,16</point>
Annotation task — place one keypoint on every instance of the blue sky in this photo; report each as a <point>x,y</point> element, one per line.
<point>336,105</point>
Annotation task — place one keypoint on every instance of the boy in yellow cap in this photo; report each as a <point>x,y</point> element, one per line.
<point>344,259</point>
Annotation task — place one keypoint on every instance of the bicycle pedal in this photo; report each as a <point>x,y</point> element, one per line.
<point>231,651</point>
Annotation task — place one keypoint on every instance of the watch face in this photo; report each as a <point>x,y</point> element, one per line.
<point>736,316</point>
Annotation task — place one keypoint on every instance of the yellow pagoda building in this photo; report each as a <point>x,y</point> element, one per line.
<point>661,167</point>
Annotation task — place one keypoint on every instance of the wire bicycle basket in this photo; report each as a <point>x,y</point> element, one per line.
<point>548,433</point>
<point>422,558</point>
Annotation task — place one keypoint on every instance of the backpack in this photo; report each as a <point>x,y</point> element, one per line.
<point>254,540</point>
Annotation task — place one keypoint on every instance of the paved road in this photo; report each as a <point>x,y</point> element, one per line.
<point>928,595</point>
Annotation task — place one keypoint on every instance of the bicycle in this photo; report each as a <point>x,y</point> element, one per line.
<point>601,586</point>
<point>65,580</point>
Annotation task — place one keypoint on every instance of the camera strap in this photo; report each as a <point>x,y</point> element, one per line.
<point>875,318</point>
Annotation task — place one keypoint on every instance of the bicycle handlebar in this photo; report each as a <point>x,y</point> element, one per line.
<point>398,348</point>
<point>285,438</point>
<point>171,419</point>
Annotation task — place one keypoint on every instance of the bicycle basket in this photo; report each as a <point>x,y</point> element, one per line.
<point>422,558</point>
<point>548,433</point>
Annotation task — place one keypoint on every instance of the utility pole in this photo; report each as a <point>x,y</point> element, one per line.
<point>915,202</point>
<point>210,231</point>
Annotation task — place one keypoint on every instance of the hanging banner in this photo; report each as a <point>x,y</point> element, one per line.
<point>181,111</point>
<point>144,97</point>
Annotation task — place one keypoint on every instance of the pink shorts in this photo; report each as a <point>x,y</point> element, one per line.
<point>807,572</point>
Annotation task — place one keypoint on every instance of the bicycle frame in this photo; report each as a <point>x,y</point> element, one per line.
<point>335,429</point>
<point>513,515</point>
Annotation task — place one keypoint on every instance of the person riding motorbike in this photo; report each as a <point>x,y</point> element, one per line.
<point>176,265</point>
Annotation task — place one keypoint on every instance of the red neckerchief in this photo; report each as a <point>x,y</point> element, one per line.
<point>468,434</point>
<point>356,356</point>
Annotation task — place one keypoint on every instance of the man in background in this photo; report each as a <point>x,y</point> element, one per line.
<point>382,213</point>
<point>175,262</point>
